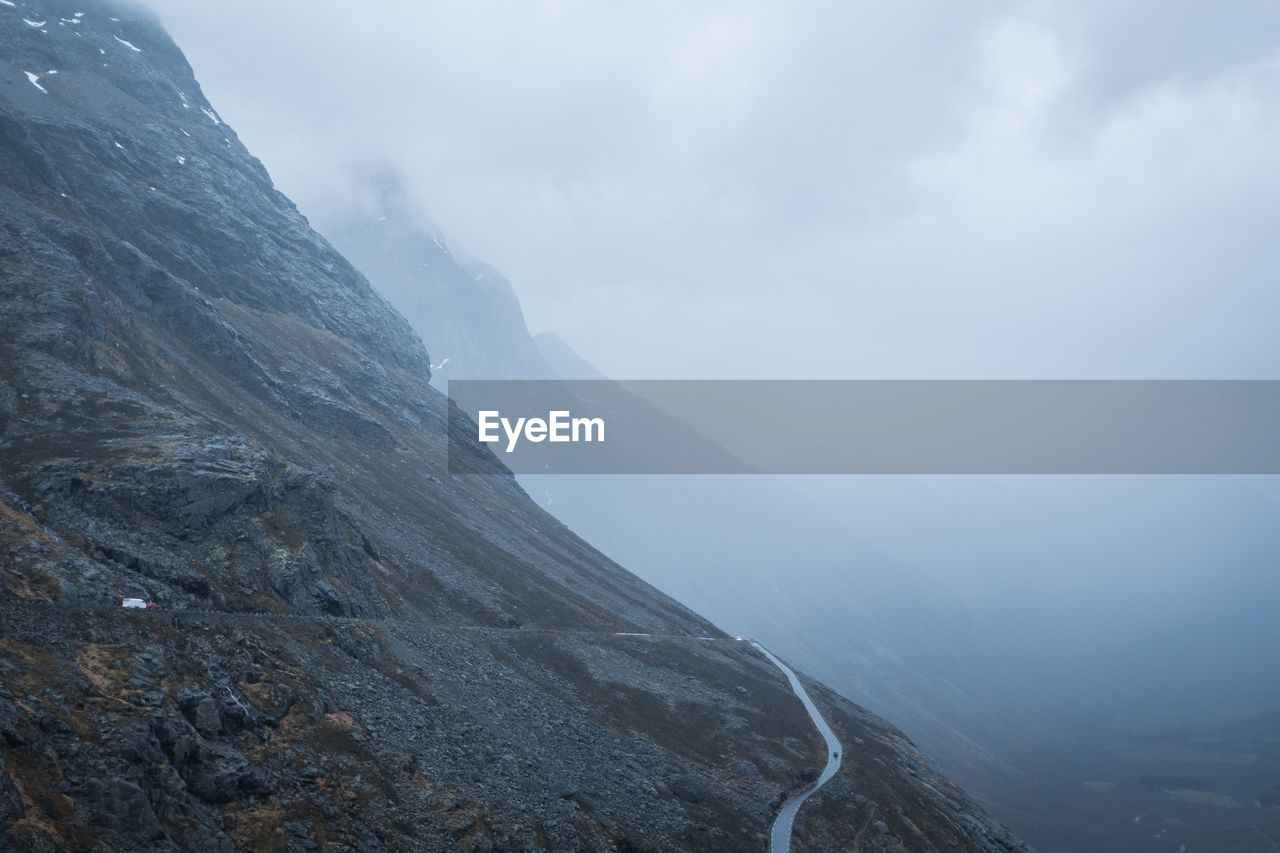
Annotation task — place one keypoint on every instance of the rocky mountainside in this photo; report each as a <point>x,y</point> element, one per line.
<point>203,404</point>
<point>563,359</point>
<point>467,310</point>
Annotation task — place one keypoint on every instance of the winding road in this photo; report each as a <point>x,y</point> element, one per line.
<point>780,836</point>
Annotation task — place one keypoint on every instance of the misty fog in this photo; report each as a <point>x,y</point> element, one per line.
<point>921,190</point>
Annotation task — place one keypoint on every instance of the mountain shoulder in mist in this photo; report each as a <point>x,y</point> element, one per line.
<point>564,360</point>
<point>203,404</point>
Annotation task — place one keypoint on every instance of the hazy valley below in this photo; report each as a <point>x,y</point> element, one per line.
<point>1076,650</point>
<point>261,588</point>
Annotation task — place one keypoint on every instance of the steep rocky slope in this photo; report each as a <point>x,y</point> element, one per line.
<point>204,404</point>
<point>466,310</point>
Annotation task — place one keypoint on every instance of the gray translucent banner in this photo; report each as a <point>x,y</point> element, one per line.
<point>865,427</point>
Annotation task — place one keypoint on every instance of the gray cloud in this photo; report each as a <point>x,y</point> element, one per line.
<point>770,190</point>
<point>814,190</point>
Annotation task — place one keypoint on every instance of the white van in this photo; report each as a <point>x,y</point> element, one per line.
<point>134,602</point>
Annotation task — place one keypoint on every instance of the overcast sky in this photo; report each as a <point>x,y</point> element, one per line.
<point>906,189</point>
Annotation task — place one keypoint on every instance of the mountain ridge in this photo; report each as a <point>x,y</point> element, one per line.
<point>203,403</point>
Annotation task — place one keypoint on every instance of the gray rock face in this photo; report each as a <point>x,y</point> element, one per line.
<point>120,807</point>
<point>203,404</point>
<point>466,311</point>
<point>202,711</point>
<point>122,135</point>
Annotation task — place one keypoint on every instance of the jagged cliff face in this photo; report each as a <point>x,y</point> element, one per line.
<point>202,403</point>
<point>467,310</point>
